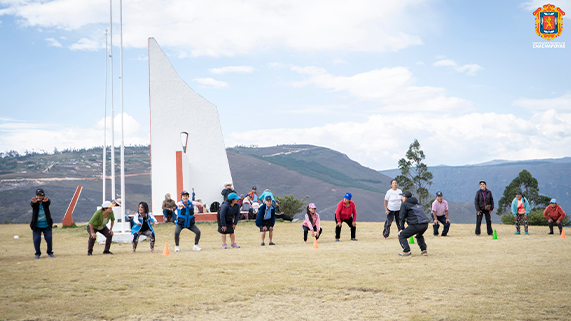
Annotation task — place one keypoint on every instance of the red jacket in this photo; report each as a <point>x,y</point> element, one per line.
<point>555,214</point>
<point>344,212</point>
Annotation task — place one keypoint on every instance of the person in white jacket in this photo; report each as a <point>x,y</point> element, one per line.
<point>143,225</point>
<point>312,223</point>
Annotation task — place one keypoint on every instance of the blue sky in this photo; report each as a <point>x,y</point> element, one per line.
<point>361,77</point>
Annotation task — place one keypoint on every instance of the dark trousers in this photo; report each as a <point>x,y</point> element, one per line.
<point>559,225</point>
<point>193,228</point>
<point>306,230</point>
<point>167,213</point>
<point>488,222</point>
<point>411,230</point>
<point>37,236</point>
<point>105,232</point>
<point>441,219</point>
<point>393,215</point>
<point>349,222</point>
<point>518,219</point>
<point>284,217</point>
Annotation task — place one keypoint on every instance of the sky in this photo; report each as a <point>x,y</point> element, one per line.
<point>365,77</point>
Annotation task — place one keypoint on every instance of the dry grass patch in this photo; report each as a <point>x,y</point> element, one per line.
<point>464,277</point>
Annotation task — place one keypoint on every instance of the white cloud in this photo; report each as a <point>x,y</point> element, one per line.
<point>22,135</point>
<point>236,69</point>
<point>561,104</point>
<point>470,69</point>
<point>53,43</point>
<point>339,61</point>
<point>87,45</point>
<point>211,82</point>
<point>227,27</point>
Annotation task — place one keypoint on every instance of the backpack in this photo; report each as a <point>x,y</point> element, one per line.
<point>214,207</point>
<point>420,214</point>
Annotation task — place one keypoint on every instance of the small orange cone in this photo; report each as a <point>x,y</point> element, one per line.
<point>315,245</point>
<point>562,233</point>
<point>166,250</point>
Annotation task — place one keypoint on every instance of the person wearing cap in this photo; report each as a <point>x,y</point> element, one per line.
<point>98,223</point>
<point>346,212</point>
<point>280,214</point>
<point>185,219</point>
<point>41,222</point>
<point>393,200</point>
<point>311,223</point>
<point>144,226</point>
<point>440,214</point>
<point>228,219</point>
<point>417,222</point>
<point>554,213</point>
<point>520,211</point>
<point>266,219</point>
<point>254,194</point>
<point>227,190</point>
<point>169,208</point>
<point>484,202</point>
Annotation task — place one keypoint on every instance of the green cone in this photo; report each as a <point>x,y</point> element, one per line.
<point>411,240</point>
<point>495,237</point>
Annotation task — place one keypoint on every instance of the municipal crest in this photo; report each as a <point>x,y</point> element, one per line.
<point>548,21</point>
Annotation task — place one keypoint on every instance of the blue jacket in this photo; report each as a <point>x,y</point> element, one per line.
<point>227,213</point>
<point>138,218</point>
<point>185,214</point>
<point>525,204</point>
<point>262,197</point>
<point>260,217</point>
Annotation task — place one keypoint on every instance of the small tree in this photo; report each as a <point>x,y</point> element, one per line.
<point>415,176</point>
<point>291,205</point>
<point>528,185</point>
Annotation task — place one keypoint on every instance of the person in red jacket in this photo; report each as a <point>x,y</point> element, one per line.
<point>346,212</point>
<point>554,212</point>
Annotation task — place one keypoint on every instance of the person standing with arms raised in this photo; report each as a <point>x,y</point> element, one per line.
<point>484,203</point>
<point>41,222</point>
<point>346,212</point>
<point>393,201</point>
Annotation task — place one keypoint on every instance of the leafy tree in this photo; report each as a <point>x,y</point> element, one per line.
<point>291,205</point>
<point>529,187</point>
<point>415,176</point>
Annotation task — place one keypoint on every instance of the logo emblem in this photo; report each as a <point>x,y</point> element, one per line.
<point>548,21</point>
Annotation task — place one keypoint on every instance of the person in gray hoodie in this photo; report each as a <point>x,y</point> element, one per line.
<point>417,221</point>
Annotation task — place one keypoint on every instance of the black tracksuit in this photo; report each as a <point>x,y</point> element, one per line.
<point>416,225</point>
<point>480,204</point>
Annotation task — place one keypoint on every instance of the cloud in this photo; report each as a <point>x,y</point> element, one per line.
<point>339,61</point>
<point>21,135</point>
<point>391,86</point>
<point>53,43</point>
<point>534,4</point>
<point>85,44</point>
<point>380,140</point>
<point>226,27</point>
<point>211,82</point>
<point>470,69</point>
<point>561,104</point>
<point>235,69</point>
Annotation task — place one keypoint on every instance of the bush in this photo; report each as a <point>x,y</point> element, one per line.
<point>291,205</point>
<point>535,218</point>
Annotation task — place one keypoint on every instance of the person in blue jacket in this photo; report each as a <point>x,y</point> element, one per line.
<point>185,219</point>
<point>228,219</point>
<point>266,219</point>
<point>143,225</point>
<point>520,211</point>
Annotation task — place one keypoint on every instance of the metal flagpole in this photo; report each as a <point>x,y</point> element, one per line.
<point>113,194</point>
<point>123,201</point>
<point>105,124</point>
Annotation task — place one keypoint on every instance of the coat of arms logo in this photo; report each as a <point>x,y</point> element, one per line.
<point>548,21</point>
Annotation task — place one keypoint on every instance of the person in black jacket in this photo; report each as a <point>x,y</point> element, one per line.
<point>484,203</point>
<point>417,221</point>
<point>41,222</point>
<point>227,190</point>
<point>228,219</point>
<point>266,219</point>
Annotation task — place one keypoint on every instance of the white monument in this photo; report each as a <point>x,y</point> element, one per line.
<point>187,146</point>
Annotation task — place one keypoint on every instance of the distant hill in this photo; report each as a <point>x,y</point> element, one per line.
<point>460,183</point>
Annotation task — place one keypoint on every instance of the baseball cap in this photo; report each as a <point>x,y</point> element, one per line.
<point>40,191</point>
<point>439,193</point>
<point>553,201</point>
<point>233,196</point>
<point>184,192</point>
<point>107,204</point>
<point>254,188</point>
<point>348,196</point>
<point>311,205</point>
<point>268,198</point>
<point>406,194</point>
<point>483,182</point>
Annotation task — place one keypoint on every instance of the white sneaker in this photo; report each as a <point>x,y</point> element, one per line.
<point>295,220</point>
<point>176,249</point>
<point>196,248</point>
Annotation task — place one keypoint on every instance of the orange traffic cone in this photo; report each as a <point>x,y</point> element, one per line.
<point>315,245</point>
<point>562,233</point>
<point>166,250</point>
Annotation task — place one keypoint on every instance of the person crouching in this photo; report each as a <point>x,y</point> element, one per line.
<point>312,223</point>
<point>417,221</point>
<point>266,219</point>
<point>143,226</point>
<point>228,218</point>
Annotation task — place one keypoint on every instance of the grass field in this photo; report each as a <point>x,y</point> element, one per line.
<point>465,277</point>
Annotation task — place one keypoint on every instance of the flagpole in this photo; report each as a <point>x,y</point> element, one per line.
<point>113,194</point>
<point>123,200</point>
<point>105,124</point>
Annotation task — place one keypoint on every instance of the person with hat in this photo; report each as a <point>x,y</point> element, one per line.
<point>484,202</point>
<point>440,214</point>
<point>266,219</point>
<point>41,222</point>
<point>227,190</point>
<point>254,194</point>
<point>417,222</point>
<point>554,213</point>
<point>228,219</point>
<point>169,209</point>
<point>98,223</point>
<point>185,219</point>
<point>393,200</point>
<point>346,212</point>
<point>144,226</point>
<point>312,223</point>
<point>520,211</point>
